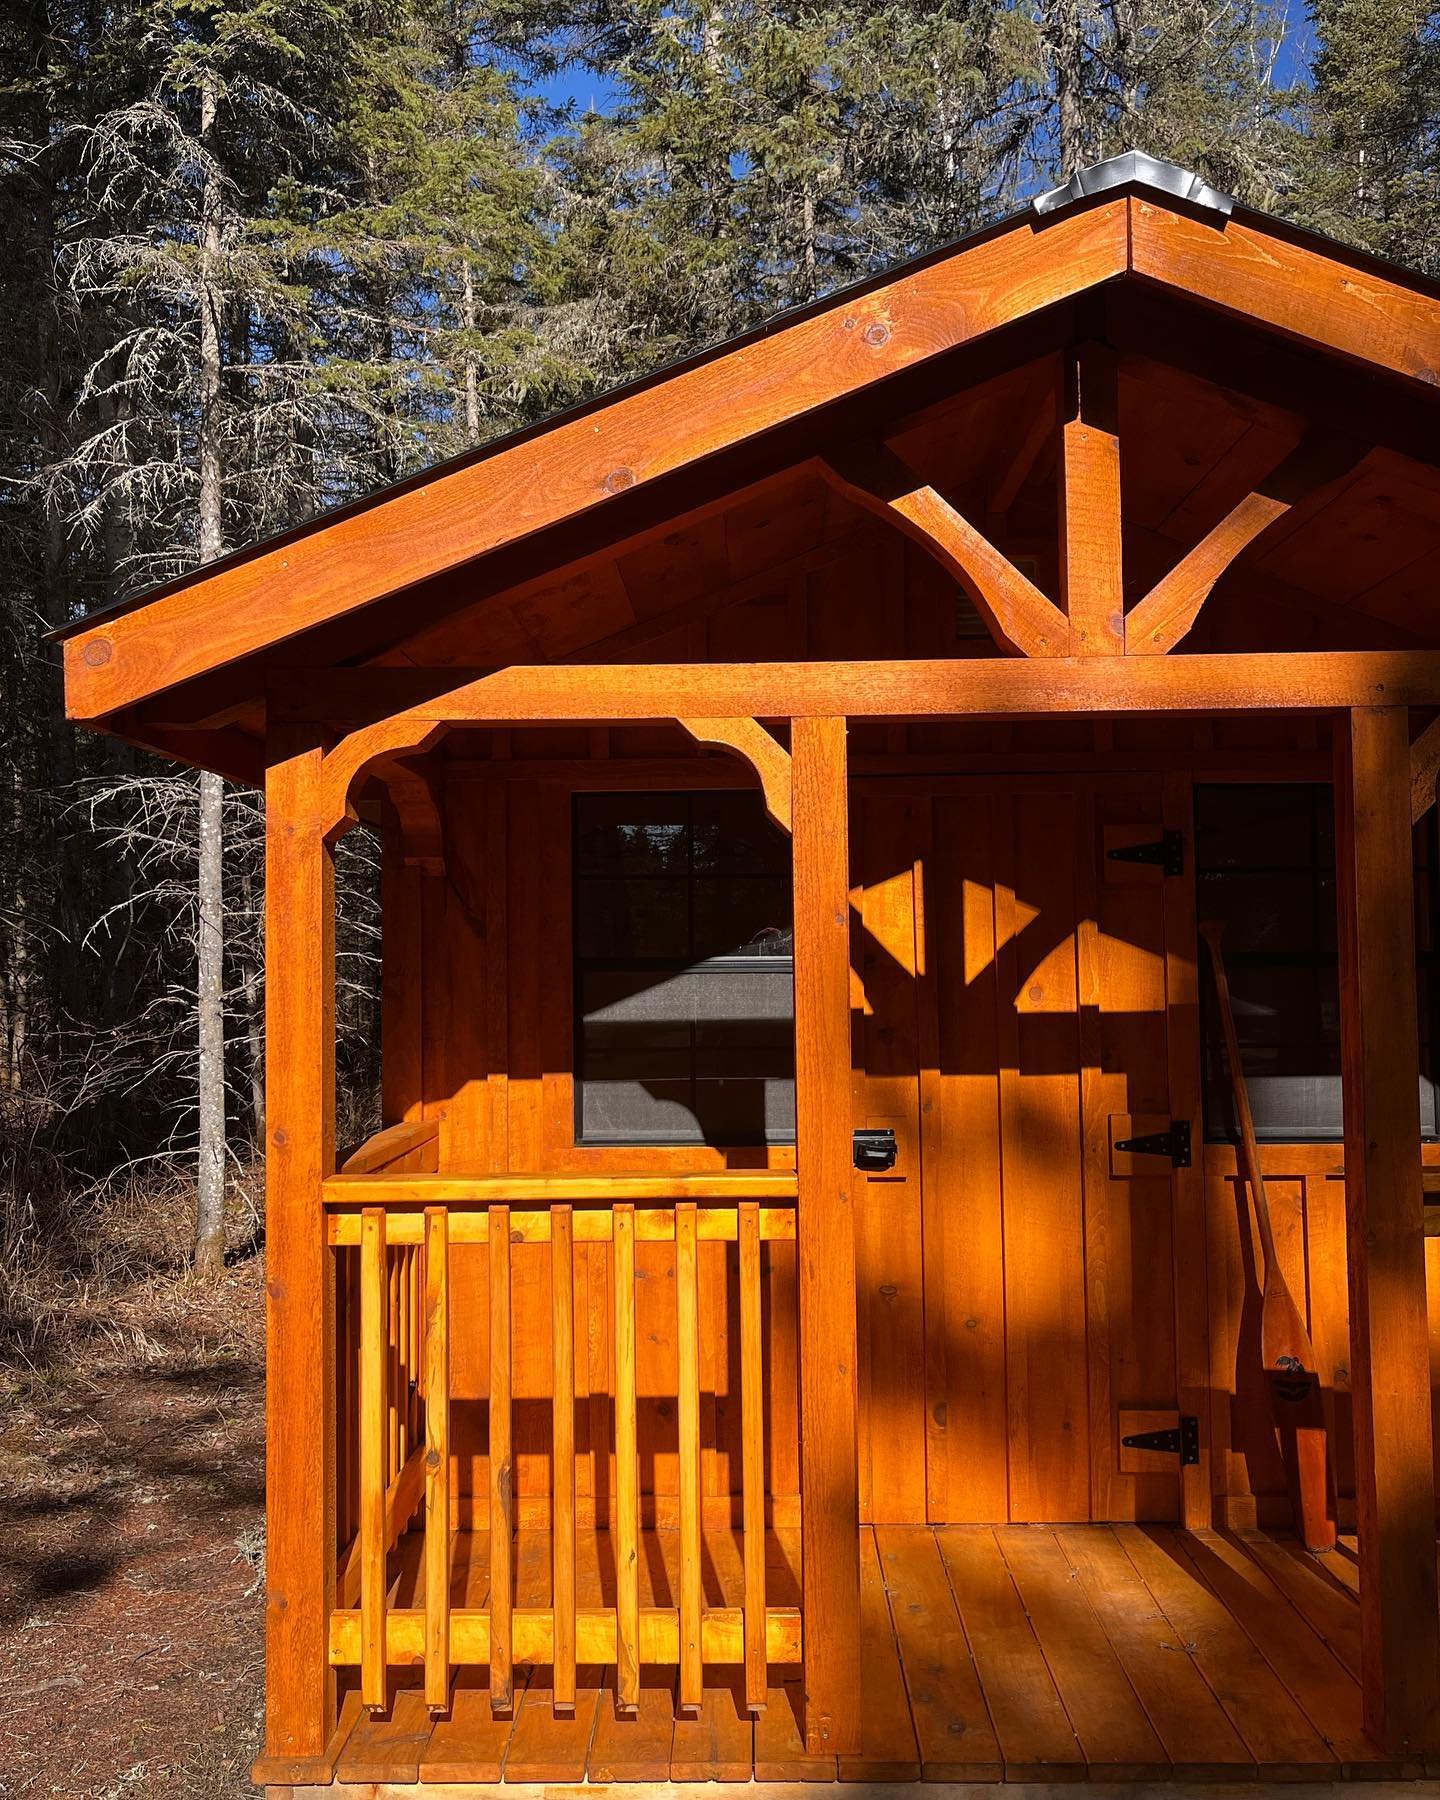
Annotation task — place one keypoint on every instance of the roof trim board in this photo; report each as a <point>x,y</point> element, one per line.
<point>1244,264</point>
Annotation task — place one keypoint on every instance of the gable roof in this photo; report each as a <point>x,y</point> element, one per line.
<point>1129,218</point>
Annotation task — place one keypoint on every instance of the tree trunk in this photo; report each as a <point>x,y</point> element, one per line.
<point>210,912</point>
<point>1067,55</point>
<point>472,381</point>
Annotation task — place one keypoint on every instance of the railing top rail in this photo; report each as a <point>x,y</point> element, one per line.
<point>725,1186</point>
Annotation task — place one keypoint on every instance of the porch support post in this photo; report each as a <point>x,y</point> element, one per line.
<point>300,1288</point>
<point>829,1483</point>
<point>1389,1354</point>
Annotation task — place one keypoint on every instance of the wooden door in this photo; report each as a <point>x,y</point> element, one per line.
<point>1017,1280</point>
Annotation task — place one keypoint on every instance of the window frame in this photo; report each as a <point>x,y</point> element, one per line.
<point>582,966</point>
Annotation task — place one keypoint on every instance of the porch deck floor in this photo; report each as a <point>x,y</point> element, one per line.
<point>1019,1653</point>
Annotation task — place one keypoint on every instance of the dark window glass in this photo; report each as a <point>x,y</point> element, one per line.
<point>684,981</point>
<point>1265,859</point>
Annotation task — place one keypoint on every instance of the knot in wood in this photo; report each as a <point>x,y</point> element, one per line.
<point>618,480</point>
<point>876,335</point>
<point>97,653</point>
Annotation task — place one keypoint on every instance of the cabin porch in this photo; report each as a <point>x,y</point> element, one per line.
<point>1017,1653</point>
<point>577,1401</point>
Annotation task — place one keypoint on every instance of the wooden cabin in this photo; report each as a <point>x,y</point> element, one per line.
<point>809,1159</point>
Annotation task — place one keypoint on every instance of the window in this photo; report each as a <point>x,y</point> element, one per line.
<point>684,984</point>
<point>1265,867</point>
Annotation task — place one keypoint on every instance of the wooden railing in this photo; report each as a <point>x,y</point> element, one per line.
<point>400,1287</point>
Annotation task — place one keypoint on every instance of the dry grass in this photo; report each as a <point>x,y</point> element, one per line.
<point>131,1501</point>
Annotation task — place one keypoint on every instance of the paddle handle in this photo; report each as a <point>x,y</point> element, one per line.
<point>1212,932</point>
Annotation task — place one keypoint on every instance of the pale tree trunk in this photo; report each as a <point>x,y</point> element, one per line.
<point>210,934</point>
<point>472,379</point>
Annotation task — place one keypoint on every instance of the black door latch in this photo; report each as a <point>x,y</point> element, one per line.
<point>1167,853</point>
<point>875,1149</point>
<point>1174,1143</point>
<point>1182,1440</point>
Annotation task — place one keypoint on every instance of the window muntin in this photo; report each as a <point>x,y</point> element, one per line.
<point>684,980</point>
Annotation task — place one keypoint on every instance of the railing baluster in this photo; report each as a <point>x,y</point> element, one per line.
<point>562,1455</point>
<point>437,1459</point>
<point>395,1453</point>
<point>502,1487</point>
<point>374,1446</point>
<point>752,1457</point>
<point>692,1592</point>
<point>627,1468</point>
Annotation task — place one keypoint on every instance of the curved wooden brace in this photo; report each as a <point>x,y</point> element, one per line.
<point>750,741</point>
<point>1424,771</point>
<point>1158,622</point>
<point>1019,616</point>
<point>352,757</point>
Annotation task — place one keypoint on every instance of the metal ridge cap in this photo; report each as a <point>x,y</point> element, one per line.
<point>1134,167</point>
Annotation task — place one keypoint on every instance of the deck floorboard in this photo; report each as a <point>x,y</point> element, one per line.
<point>1021,1653</point>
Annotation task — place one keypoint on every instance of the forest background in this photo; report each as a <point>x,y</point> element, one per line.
<point>260,258</point>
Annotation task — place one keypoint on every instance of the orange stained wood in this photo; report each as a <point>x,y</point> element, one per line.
<point>501,1467</point>
<point>1315,681</point>
<point>752,1425</point>
<point>687,1406</point>
<point>375,1389</point>
<point>1165,615</point>
<point>437,1461</point>
<point>459,514</point>
<point>1251,267</point>
<point>562,1455</point>
<point>1394,1467</point>
<point>1424,770</point>
<point>1091,588</point>
<point>1019,616</point>
<point>300,1310</point>
<point>627,1467</point>
<point>749,739</point>
<point>826,1282</point>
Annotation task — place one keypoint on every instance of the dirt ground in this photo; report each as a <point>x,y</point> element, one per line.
<point>132,1544</point>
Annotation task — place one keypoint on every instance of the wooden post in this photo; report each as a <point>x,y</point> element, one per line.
<point>829,1484</point>
<point>1090,558</point>
<point>1389,1348</point>
<point>300,1278</point>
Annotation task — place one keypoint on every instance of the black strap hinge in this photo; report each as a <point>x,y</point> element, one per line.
<point>1174,1143</point>
<point>1167,853</point>
<point>1182,1440</point>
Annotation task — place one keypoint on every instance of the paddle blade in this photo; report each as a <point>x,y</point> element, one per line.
<point>1299,1413</point>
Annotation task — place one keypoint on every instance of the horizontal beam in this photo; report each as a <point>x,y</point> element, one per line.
<point>976,687</point>
<point>653,1225</point>
<point>960,687</point>
<point>722,1635</point>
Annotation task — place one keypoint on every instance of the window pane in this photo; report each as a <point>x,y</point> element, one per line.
<point>621,921</point>
<point>632,834</point>
<point>1265,868</point>
<point>684,979</point>
<point>734,836</point>
<point>751,915</point>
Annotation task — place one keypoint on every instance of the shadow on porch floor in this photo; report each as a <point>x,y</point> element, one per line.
<point>1019,1653</point>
